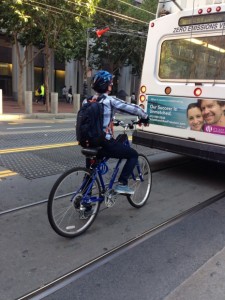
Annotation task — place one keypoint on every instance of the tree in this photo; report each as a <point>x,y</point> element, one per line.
<point>53,26</point>
<point>62,23</point>
<point>125,43</point>
<point>15,23</point>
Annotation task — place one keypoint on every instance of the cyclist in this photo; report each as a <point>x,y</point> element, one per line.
<point>111,148</point>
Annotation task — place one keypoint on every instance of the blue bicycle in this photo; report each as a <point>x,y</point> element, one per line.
<point>76,196</point>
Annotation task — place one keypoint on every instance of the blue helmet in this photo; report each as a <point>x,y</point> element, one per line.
<point>101,81</point>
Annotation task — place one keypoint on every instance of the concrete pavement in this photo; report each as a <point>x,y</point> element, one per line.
<point>12,111</point>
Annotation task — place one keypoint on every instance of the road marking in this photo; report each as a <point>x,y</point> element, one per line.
<point>7,173</point>
<point>27,127</point>
<point>34,148</point>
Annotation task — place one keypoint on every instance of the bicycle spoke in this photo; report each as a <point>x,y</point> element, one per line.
<point>66,211</point>
<point>140,184</point>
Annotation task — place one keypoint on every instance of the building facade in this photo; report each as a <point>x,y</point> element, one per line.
<point>68,73</point>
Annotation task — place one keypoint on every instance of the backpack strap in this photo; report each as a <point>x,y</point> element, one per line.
<point>92,99</point>
<point>109,129</point>
<point>111,125</point>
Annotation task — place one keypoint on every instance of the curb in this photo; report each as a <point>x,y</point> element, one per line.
<point>20,116</point>
<point>7,117</point>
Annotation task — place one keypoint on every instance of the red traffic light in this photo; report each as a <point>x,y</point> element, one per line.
<point>101,32</point>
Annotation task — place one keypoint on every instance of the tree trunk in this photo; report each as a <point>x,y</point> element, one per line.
<point>20,57</point>
<point>47,70</point>
<point>20,85</point>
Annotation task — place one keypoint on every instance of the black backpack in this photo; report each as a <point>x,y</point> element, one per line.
<point>89,124</point>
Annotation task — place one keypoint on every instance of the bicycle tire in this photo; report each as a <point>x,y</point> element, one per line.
<point>63,209</point>
<point>142,189</point>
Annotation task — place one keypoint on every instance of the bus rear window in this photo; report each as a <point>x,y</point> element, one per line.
<point>202,19</point>
<point>199,58</point>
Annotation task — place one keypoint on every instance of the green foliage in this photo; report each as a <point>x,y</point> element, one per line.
<point>13,20</point>
<point>49,25</point>
<point>125,42</point>
<point>58,24</point>
<point>62,25</point>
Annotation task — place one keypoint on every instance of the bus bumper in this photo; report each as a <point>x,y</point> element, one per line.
<point>187,147</point>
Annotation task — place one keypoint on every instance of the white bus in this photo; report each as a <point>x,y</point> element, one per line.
<point>183,79</point>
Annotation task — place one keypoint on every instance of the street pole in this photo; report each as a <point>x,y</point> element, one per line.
<point>85,87</point>
<point>87,53</point>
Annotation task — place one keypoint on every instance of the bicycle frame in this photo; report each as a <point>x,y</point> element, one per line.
<point>98,171</point>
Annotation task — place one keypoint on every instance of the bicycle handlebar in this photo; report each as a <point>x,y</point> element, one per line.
<point>126,126</point>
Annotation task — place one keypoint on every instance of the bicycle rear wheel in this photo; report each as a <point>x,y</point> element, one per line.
<point>140,183</point>
<point>65,213</point>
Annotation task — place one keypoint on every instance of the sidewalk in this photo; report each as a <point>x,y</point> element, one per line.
<point>11,110</point>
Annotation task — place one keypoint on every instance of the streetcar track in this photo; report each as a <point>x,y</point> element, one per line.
<point>15,209</point>
<point>95,263</point>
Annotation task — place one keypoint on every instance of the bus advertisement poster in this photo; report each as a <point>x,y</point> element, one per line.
<point>206,115</point>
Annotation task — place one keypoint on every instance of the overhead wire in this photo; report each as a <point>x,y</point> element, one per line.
<point>57,10</point>
<point>101,10</point>
<point>110,13</point>
<point>136,7</point>
<point>50,7</point>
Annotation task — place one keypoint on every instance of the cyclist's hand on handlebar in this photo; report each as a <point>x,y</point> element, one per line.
<point>145,122</point>
<point>118,122</point>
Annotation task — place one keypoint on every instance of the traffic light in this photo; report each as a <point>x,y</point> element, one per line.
<point>101,32</point>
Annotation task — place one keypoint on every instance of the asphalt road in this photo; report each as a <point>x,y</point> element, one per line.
<point>33,255</point>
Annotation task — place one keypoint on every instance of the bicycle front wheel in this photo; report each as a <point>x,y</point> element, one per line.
<point>65,213</point>
<point>141,182</point>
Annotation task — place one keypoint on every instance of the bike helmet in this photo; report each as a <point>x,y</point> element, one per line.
<point>101,81</point>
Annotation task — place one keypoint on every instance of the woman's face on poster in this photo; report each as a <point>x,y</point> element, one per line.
<point>195,119</point>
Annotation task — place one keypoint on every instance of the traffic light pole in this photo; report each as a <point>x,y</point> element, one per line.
<point>85,87</point>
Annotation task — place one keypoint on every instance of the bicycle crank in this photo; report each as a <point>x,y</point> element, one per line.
<point>110,198</point>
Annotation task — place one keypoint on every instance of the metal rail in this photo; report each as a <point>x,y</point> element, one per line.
<point>73,275</point>
<point>46,200</point>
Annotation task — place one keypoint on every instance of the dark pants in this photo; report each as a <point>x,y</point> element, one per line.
<point>42,98</point>
<point>115,149</point>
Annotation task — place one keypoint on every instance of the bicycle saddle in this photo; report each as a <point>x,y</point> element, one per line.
<point>90,152</point>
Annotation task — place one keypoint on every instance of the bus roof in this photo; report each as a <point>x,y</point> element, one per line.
<point>167,7</point>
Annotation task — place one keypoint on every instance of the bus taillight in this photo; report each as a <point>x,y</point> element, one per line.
<point>197,92</point>
<point>209,9</point>
<point>218,8</point>
<point>200,11</point>
<point>142,98</point>
<point>143,89</point>
<point>168,90</point>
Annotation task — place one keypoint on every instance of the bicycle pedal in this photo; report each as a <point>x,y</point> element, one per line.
<point>110,198</point>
